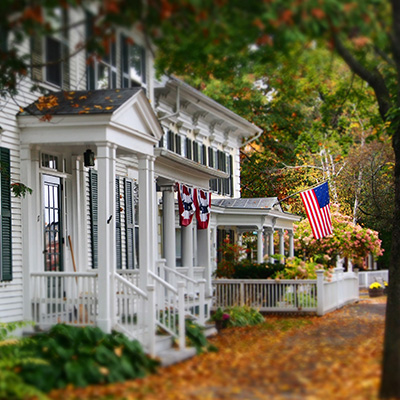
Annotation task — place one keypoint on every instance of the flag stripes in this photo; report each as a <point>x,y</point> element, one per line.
<point>316,203</point>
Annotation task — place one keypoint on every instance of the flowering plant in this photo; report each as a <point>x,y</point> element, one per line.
<point>220,315</point>
<point>296,268</point>
<point>348,240</point>
<point>375,285</point>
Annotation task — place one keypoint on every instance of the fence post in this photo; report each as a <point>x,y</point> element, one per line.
<point>320,292</point>
<point>152,319</point>
<point>181,313</point>
<point>202,300</point>
<point>339,282</point>
<point>357,283</point>
<point>242,303</point>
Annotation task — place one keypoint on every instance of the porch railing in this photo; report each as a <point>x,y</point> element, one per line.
<point>132,275</point>
<point>266,295</point>
<point>170,308</point>
<point>312,295</point>
<point>64,297</point>
<point>195,304</point>
<point>132,311</point>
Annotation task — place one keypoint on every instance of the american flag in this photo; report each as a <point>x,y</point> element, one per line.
<point>316,202</point>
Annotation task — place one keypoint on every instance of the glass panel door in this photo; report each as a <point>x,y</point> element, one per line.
<point>53,240</point>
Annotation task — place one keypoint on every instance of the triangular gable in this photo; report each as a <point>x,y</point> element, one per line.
<point>137,114</point>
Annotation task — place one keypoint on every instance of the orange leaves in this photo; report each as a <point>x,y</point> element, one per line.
<point>361,41</point>
<point>318,13</point>
<point>332,357</point>
<point>33,13</point>
<point>46,102</point>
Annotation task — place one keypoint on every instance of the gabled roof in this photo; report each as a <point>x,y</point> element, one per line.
<point>104,101</point>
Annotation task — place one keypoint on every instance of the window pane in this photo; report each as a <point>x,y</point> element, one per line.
<point>136,62</point>
<point>103,76</point>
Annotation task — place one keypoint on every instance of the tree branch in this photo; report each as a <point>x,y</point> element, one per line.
<point>373,78</point>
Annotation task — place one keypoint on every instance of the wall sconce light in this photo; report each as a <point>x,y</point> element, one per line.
<point>88,158</point>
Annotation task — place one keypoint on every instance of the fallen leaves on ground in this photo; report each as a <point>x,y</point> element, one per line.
<point>337,356</point>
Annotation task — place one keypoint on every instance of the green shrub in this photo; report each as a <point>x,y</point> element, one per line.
<point>83,356</point>
<point>240,316</point>
<point>12,356</point>
<point>196,337</point>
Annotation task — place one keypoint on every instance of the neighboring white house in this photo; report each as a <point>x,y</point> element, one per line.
<point>99,241</point>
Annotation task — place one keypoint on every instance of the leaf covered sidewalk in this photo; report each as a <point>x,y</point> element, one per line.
<point>333,357</point>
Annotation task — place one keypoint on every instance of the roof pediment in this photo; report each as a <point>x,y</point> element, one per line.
<point>120,116</point>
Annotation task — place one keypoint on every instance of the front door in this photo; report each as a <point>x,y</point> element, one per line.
<point>53,240</point>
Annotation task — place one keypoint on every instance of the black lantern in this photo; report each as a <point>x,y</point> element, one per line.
<point>88,158</point>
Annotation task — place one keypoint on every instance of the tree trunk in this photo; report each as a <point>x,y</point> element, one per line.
<point>390,384</point>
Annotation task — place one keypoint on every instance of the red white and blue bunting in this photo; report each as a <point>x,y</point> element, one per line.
<point>203,206</point>
<point>193,201</point>
<point>186,205</point>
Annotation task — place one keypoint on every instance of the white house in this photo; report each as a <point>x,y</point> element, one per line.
<point>99,240</point>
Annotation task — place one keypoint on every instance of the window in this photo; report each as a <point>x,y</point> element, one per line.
<point>170,140</point>
<point>101,73</point>
<point>6,234</point>
<point>178,144</point>
<point>49,161</point>
<point>224,162</point>
<point>133,63</point>
<point>50,55</point>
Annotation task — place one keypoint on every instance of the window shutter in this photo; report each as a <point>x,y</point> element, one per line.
<point>93,187</point>
<point>90,78</point>
<point>118,224</point>
<point>178,144</point>
<point>37,57</point>
<point>129,225</point>
<point>6,234</point>
<point>65,52</point>
<point>188,148</point>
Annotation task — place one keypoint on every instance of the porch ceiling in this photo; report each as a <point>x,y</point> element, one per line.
<point>123,117</point>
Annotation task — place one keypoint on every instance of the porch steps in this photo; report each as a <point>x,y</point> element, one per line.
<point>174,356</point>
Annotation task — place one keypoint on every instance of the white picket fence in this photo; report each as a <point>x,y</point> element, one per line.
<point>368,277</point>
<point>312,295</point>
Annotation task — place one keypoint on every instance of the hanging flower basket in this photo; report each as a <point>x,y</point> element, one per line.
<point>375,290</point>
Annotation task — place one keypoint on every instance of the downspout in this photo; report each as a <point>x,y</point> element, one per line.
<point>178,105</point>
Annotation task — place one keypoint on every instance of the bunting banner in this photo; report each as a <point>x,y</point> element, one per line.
<point>203,208</point>
<point>186,204</point>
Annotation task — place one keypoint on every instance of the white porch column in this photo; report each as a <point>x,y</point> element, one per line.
<point>106,154</point>
<point>291,243</point>
<point>187,249</point>
<point>147,218</point>
<point>204,256</point>
<point>265,244</point>
<point>271,244</point>
<point>169,237</point>
<point>282,242</point>
<point>31,211</point>
<point>213,248</point>
<point>260,242</point>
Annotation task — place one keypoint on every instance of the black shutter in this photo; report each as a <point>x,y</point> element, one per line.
<point>188,149</point>
<point>210,157</point>
<point>6,234</point>
<point>129,225</point>
<point>195,151</point>
<point>93,188</point>
<point>37,57</point>
<point>118,224</point>
<point>178,144</point>
<point>171,140</point>
<point>90,79</point>
<point>65,52</point>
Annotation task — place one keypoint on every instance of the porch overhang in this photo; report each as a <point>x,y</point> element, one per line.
<point>251,215</point>
<point>131,125</point>
<point>174,167</point>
